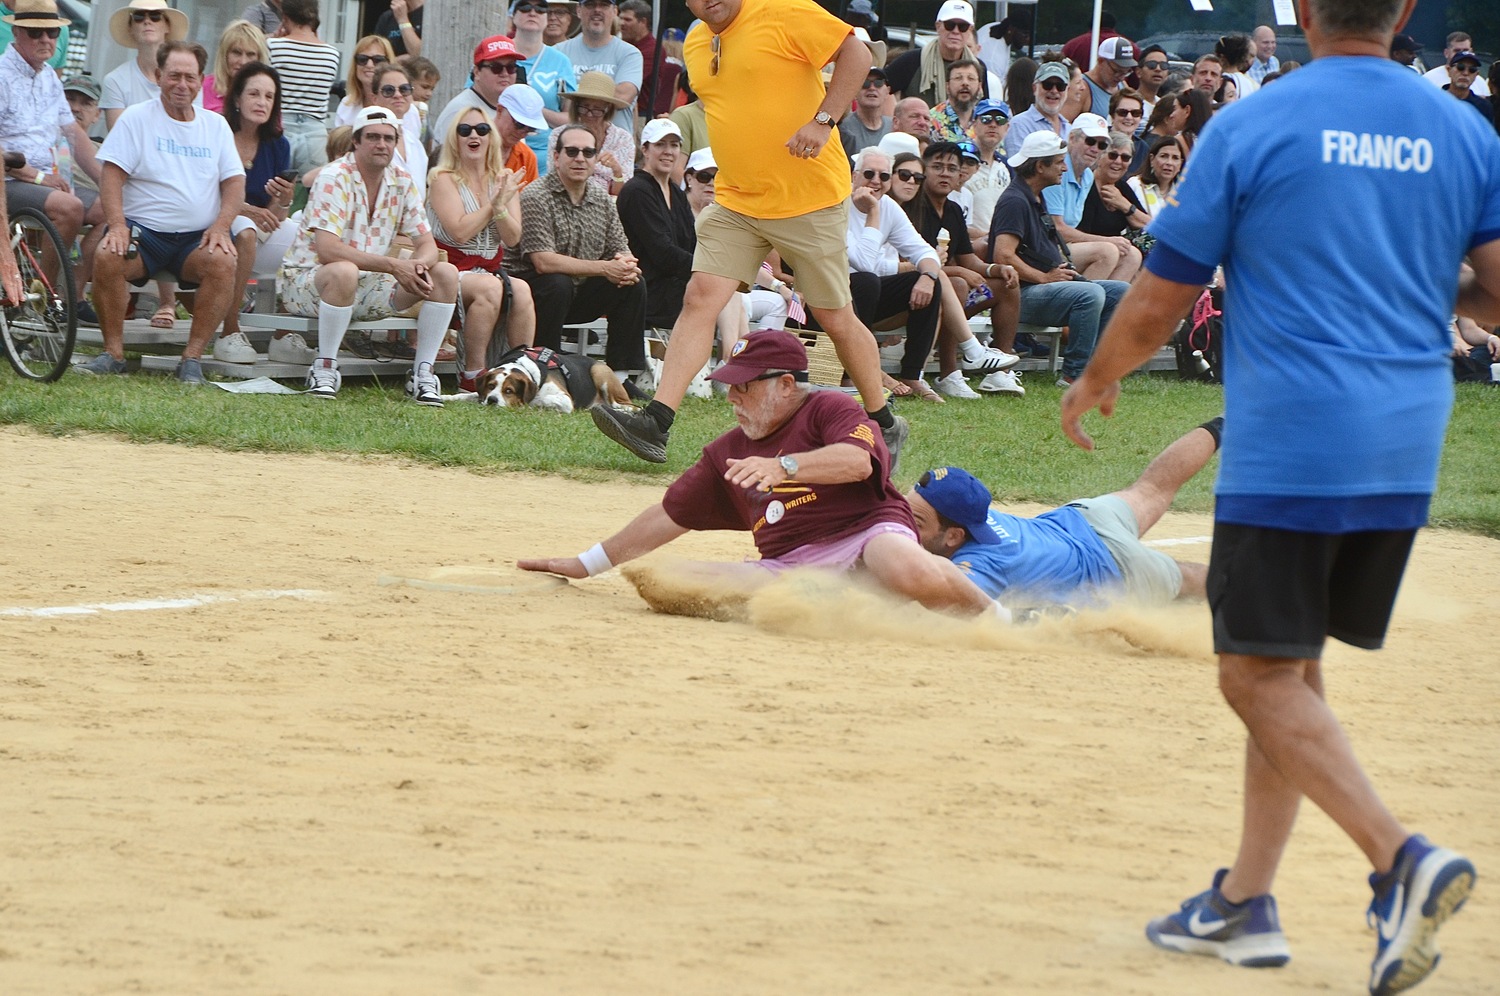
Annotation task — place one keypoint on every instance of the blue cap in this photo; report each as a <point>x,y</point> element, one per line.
<point>968,150</point>
<point>960,497</point>
<point>990,106</point>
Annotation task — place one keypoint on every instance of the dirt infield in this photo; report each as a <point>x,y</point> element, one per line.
<point>363,788</point>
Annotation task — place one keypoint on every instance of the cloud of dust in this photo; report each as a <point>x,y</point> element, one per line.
<point>823,605</point>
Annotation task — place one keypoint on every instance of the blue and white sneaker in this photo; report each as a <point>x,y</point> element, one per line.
<point>1248,934</point>
<point>1427,885</point>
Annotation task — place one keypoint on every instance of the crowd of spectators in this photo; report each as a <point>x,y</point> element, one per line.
<point>564,180</point>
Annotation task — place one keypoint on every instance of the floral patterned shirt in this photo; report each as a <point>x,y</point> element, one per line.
<point>339,203</point>
<point>945,125</point>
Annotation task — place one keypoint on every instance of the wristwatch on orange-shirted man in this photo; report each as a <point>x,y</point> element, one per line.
<point>824,118</point>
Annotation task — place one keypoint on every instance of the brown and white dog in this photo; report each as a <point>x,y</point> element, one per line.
<point>539,377</point>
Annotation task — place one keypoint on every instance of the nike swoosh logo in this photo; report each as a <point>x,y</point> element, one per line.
<point>1202,928</point>
<point>1389,925</point>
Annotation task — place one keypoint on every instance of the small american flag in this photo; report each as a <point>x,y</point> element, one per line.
<point>794,310</point>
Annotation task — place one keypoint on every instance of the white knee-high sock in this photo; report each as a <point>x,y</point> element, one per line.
<point>333,322</point>
<point>432,324</point>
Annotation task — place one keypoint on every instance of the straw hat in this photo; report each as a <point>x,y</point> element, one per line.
<point>119,21</point>
<point>36,14</point>
<point>594,86</point>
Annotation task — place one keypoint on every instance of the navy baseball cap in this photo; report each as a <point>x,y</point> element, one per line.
<point>960,497</point>
<point>991,106</point>
<point>968,150</point>
<point>761,353</point>
<point>1464,56</point>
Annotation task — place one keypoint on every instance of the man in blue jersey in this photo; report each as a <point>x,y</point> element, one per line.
<point>1086,551</point>
<point>1338,389</point>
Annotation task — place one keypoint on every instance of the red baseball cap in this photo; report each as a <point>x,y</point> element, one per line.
<point>495,47</point>
<point>761,353</point>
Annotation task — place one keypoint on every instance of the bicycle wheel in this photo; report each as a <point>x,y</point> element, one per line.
<point>38,332</point>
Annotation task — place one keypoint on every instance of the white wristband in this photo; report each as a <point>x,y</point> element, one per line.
<point>595,560</point>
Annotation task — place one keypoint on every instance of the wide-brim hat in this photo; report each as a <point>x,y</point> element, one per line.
<point>596,86</point>
<point>36,14</point>
<point>119,21</point>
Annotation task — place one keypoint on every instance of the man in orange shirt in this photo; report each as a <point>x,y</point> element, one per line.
<point>781,185</point>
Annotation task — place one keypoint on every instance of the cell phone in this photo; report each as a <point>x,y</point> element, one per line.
<point>289,175</point>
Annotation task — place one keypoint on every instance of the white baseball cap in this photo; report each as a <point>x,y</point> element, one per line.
<point>659,128</point>
<point>956,10</point>
<point>1039,145</point>
<point>525,106</point>
<point>701,159</point>
<point>375,114</point>
<point>898,142</point>
<point>1091,125</point>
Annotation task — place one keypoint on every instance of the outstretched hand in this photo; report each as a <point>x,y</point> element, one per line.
<point>1085,395</point>
<point>568,567</point>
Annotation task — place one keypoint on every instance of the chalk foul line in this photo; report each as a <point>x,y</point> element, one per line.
<point>1184,541</point>
<point>156,604</point>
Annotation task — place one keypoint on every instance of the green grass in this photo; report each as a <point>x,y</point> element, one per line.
<point>1015,445</point>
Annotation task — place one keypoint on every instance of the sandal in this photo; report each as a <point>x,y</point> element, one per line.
<point>898,388</point>
<point>921,389</point>
<point>165,317</point>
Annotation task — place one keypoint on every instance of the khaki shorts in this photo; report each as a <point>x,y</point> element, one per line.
<point>733,245</point>
<point>373,300</point>
<point>1150,575</point>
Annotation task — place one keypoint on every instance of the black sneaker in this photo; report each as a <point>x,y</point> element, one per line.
<point>360,345</point>
<point>634,430</point>
<point>895,438</point>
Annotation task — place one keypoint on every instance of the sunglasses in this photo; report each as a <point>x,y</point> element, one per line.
<point>706,175</point>
<point>138,16</point>
<point>799,375</point>
<point>870,174</point>
<point>499,67</point>
<point>465,130</point>
<point>955,25</point>
<point>1128,112</point>
<point>1154,64</point>
<point>1118,157</point>
<point>37,33</point>
<point>1057,86</point>
<point>391,89</point>
<point>907,176</point>
<point>366,60</point>
<point>874,81</point>
<point>993,119</point>
<point>713,47</point>
<point>575,152</point>
<point>532,8</point>
<point>1096,143</point>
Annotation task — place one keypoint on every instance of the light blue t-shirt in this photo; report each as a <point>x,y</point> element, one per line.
<point>1067,198</point>
<point>549,73</point>
<point>1048,558</point>
<point>1340,202</point>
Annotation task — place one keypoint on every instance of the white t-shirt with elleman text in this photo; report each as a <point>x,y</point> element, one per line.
<point>174,167</point>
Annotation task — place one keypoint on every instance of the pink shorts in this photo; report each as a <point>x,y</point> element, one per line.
<point>840,554</point>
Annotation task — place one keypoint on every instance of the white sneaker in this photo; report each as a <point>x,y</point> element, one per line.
<point>954,386</point>
<point>324,379</point>
<point>1003,382</point>
<point>291,348</point>
<point>990,360</point>
<point>422,386</point>
<point>234,348</point>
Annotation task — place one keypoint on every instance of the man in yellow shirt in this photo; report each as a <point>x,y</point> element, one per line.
<point>782,185</point>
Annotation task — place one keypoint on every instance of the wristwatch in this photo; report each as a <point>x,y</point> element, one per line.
<point>824,118</point>
<point>789,465</point>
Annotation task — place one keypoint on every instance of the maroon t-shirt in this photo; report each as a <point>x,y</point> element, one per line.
<point>792,514</point>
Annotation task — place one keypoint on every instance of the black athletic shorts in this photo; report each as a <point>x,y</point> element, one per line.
<point>1278,593</point>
